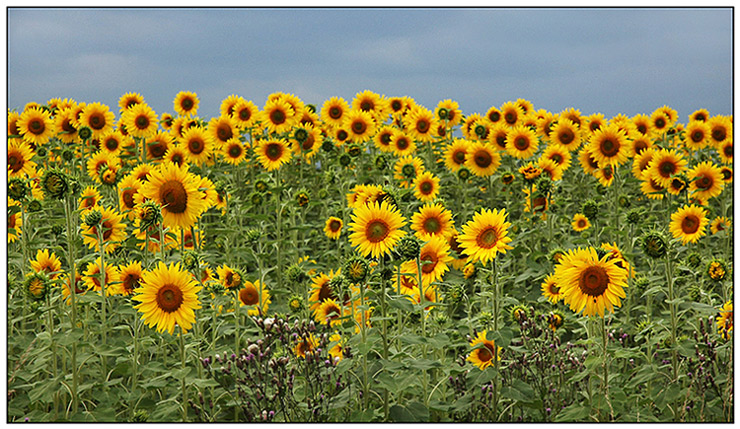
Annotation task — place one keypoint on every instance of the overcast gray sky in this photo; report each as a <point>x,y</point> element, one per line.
<point>597,60</point>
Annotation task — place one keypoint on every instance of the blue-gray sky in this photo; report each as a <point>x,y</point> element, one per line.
<point>596,60</point>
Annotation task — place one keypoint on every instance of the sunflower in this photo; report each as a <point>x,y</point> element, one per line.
<point>222,129</point>
<point>272,153</point>
<point>432,220</point>
<point>372,103</point>
<point>333,227</point>
<point>198,144</point>
<point>651,189</point>
<point>426,186</point>
<point>420,123</point>
<point>177,191</point>
<point>580,222</point>
<point>244,113</point>
<point>402,144</point>
<point>140,120</point>
<point>566,133</point>
<point>186,103</point>
<point>530,171</point>
<point>434,256</point>
<point>310,141</point>
<point>89,197</point>
<point>559,155</point>
<point>689,223</point>
<point>406,169</point>
<point>727,174</point>
<point>63,124</point>
<point>376,228</point>
<point>485,235</point>
<point>360,125</point>
<point>363,194</point>
<point>455,154</point>
<point>483,159</point>
<point>550,168</point>
<point>664,165</point>
<point>305,345</point>
<point>497,136</point>
<point>167,295</point>
<point>590,283</point>
<point>19,159</point>
<point>659,122</point>
<point>112,142</point>
<point>66,287</point>
<point>605,175</point>
<point>640,144</point>
<point>384,137</point>
<point>154,238</point>
<point>15,222</point>
<point>551,290</point>
<point>234,151</point>
<point>701,115</point>
<point>101,161</point>
<point>129,99</point>
<point>47,262</point>
<point>251,295</point>
<point>521,142</point>
<point>641,163</point>
<point>230,278</point>
<point>697,135</point>
<point>705,180</point>
<point>329,313</point>
<point>321,289</point>
<point>129,278</point>
<point>449,111</point>
<point>725,320</point>
<point>228,104</point>
<point>278,116</point>
<point>594,123</point>
<point>615,253</point>
<point>333,111</point>
<point>36,126</point>
<point>511,113</point>
<point>113,230</point>
<point>677,185</point>
<point>485,350</point>
<point>157,145</point>
<point>98,118</point>
<point>720,223</point>
<point>726,152</point>
<point>177,155</point>
<point>92,276</point>
<point>573,115</point>
<point>608,146</point>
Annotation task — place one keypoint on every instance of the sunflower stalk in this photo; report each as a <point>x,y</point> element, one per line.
<point>605,384</point>
<point>72,294</point>
<point>103,281</point>
<point>53,347</point>
<point>425,380</point>
<point>674,319</point>
<point>183,385</point>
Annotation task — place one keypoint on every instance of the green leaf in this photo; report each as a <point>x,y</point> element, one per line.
<point>573,413</point>
<point>398,413</point>
<point>419,411</point>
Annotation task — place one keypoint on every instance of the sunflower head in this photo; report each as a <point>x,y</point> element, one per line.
<point>55,184</point>
<point>356,269</point>
<point>654,244</point>
<point>519,313</point>
<point>36,285</point>
<point>408,247</point>
<point>590,209</point>
<point>716,270</point>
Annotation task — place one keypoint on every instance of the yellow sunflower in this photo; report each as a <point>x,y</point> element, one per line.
<point>551,290</point>
<point>198,144</point>
<point>256,297</point>
<point>222,129</point>
<point>92,277</point>
<point>590,283</point>
<point>311,141</point>
<point>689,223</point>
<point>230,279</point>
<point>63,123</point>
<point>664,165</point>
<point>426,186</point>
<point>321,289</point>
<point>112,142</point>
<point>36,126</point>
<point>485,235</point>
<point>434,256</point>
<point>305,345</point>
<point>725,320</point>
<point>697,135</point>
<point>580,222</point>
<point>420,124</point>
<point>333,111</point>
<point>449,111</point>
<point>47,262</point>
<point>128,187</point>
<point>98,118</point>
<point>329,312</point>
<point>234,151</point>
<point>384,137</point>
<point>89,198</point>
<point>245,114</point>
<point>140,120</point>
<point>186,103</point>
<point>521,142</point>
<point>566,133</point>
<point>456,153</point>
<point>483,159</point>
<point>484,351</point>
<point>402,144</point>
<point>168,295</point>
<point>432,220</point>
<point>726,152</point>
<point>177,191</point>
<point>157,145</point>
<point>19,159</point>
<point>129,99</point>
<point>406,169</point>
<point>129,278</point>
<point>376,228</point>
<point>15,222</point>
<point>333,227</point>
<point>272,153</point>
<point>113,230</point>
<point>278,116</point>
<point>176,154</point>
<point>705,180</point>
<point>720,223</point>
<point>360,125</point>
<point>608,146</point>
<point>550,168</point>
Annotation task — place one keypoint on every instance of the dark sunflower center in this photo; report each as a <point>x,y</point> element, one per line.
<point>169,298</point>
<point>342,135</point>
<point>359,127</point>
<point>728,150</point>
<point>97,121</point>
<point>593,281</point>
<point>566,137</point>
<point>690,224</point>
<point>459,157</point>
<point>402,143</point>
<point>325,292</point>
<point>245,114</point>
<point>485,354</point>
<point>554,289</point>
<point>642,128</point>
<point>557,158</point>
<point>396,105</point>
<point>697,136</point>
<point>510,117</point>
<point>130,282</point>
<point>429,262</point>
<point>157,149</point>
<point>376,231</point>
<point>609,147</point>
<point>172,193</point>
<point>432,225</point>
<point>593,126</point>
<point>482,159</point>
<point>15,131</point>
<point>660,123</point>
<point>640,145</point>
<point>581,223</point>
<point>224,132</point>
<point>36,126</point>
<point>501,141</point>
<point>196,145</point>
<point>235,151</point>
<point>426,188</point>
<point>335,112</point>
<point>385,138</point>
<point>655,185</point>
<point>142,122</point>
<point>494,116</point>
<point>334,225</point>
<point>422,126</point>
<point>488,238</point>
<point>15,162</point>
<point>249,296</point>
<point>704,182</point>
<point>274,151</point>
<point>187,103</point>
<point>111,144</point>
<point>667,168</point>
<point>367,105</point>
<point>177,158</point>
<point>128,198</point>
<point>277,117</point>
<point>521,143</point>
<point>11,222</point>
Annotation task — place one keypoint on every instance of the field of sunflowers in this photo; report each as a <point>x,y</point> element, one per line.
<point>370,260</point>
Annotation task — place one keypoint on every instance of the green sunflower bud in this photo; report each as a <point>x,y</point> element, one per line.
<point>408,247</point>
<point>18,189</point>
<point>356,269</point>
<point>55,184</point>
<point>654,244</point>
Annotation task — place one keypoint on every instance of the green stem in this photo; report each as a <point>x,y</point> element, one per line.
<point>72,295</point>
<point>605,385</point>
<point>425,381</point>
<point>53,346</point>
<point>182,385</point>
<point>384,309</point>
<point>674,320</point>
<point>103,281</point>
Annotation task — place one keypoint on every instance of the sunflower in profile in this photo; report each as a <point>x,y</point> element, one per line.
<point>720,223</point>
<point>434,256</point>
<point>198,145</point>
<point>456,153</point>
<point>432,220</point>
<point>360,125</point>
<point>426,186</point>
<point>157,145</point>
<point>402,144</point>
<point>589,283</point>
<point>566,133</point>
<point>47,262</point>
<point>92,277</point>
<point>485,235</point>
<point>705,180</point>
<point>36,126</point>
<point>406,169</point>
<point>376,228</point>
<point>580,222</point>
<point>230,278</point>
<point>497,136</point>
<point>551,290</point>
<point>89,197</point>
<point>483,159</point>
<point>186,103</point>
<point>98,118</point>
<point>725,320</point>
<point>168,295</point>
<point>559,155</point>
<point>608,146</point>
<point>521,142</point>
<point>228,105</point>
<point>140,120</point>
<point>689,223</point>
<point>177,191</point>
<point>19,159</point>
<point>329,312</point>
<point>15,221</point>
<point>333,227</point>
<point>664,165</point>
<point>420,124</point>
<point>484,351</point>
<point>112,228</point>
<point>272,153</point>
<point>333,111</point>
<point>641,162</point>
<point>278,116</point>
